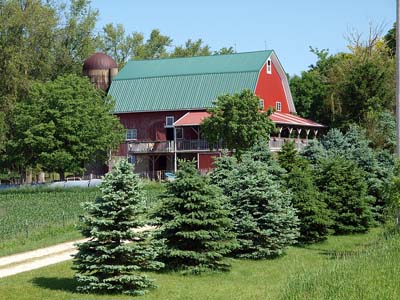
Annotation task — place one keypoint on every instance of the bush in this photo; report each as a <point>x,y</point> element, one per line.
<point>195,225</point>
<point>106,263</point>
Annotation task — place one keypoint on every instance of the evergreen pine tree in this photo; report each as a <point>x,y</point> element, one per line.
<point>288,156</point>
<point>260,152</point>
<point>264,219</point>
<point>106,263</point>
<point>195,226</point>
<point>311,209</point>
<point>314,152</point>
<point>345,192</point>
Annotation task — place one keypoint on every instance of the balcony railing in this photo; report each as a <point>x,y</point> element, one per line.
<point>151,147</point>
<point>194,145</point>
<point>275,144</point>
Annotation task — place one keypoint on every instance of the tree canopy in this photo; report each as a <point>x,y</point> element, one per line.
<point>237,121</point>
<point>63,125</point>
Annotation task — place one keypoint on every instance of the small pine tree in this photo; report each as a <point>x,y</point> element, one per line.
<point>345,191</point>
<point>288,156</point>
<point>264,219</point>
<point>106,263</point>
<point>195,226</point>
<point>312,211</point>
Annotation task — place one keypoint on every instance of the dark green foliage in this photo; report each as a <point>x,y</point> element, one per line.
<point>288,156</point>
<point>390,40</point>
<point>313,152</point>
<point>311,209</point>
<point>264,220</point>
<point>63,125</point>
<point>106,263</point>
<point>195,225</point>
<point>354,146</point>
<point>307,200</point>
<point>237,121</point>
<point>345,191</point>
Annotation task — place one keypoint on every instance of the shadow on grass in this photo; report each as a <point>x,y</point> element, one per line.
<point>56,283</point>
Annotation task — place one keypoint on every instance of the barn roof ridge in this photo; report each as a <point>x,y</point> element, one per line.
<point>194,65</point>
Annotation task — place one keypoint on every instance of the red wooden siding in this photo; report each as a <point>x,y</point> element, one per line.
<point>206,160</point>
<point>149,125</point>
<point>269,87</point>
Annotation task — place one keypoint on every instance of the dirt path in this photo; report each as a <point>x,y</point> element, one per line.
<point>27,261</point>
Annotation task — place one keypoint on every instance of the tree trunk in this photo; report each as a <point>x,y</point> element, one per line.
<point>62,175</point>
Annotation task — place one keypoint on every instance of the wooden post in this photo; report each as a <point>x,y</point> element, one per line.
<point>175,155</point>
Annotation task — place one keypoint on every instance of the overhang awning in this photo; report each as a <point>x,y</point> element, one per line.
<point>195,119</point>
<point>192,118</point>
<point>289,119</point>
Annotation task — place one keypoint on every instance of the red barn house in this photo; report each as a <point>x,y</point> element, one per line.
<point>162,102</point>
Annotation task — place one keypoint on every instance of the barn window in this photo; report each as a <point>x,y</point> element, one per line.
<point>179,133</point>
<point>131,134</point>
<point>261,104</point>
<point>169,121</point>
<point>269,66</point>
<point>278,106</point>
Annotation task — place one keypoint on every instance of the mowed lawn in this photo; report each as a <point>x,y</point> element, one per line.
<point>265,279</point>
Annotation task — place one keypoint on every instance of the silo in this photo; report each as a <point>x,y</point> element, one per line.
<point>100,68</point>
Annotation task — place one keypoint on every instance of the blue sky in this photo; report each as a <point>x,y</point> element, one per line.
<point>287,26</point>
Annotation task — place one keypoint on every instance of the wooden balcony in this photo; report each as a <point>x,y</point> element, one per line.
<point>275,144</point>
<point>151,147</point>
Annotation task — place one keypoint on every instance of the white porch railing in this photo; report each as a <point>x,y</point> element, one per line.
<point>275,144</point>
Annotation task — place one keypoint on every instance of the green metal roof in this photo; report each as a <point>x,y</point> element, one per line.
<point>184,83</point>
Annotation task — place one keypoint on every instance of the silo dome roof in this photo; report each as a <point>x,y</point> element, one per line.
<point>99,61</point>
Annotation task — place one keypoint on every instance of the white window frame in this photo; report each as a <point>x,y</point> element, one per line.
<point>269,66</point>
<point>181,135</point>
<point>278,106</point>
<point>261,104</point>
<point>168,122</point>
<point>131,134</point>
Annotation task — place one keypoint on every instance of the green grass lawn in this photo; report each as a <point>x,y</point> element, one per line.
<point>32,218</point>
<point>265,279</point>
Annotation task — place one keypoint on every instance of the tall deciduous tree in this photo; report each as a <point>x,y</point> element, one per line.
<point>237,122</point>
<point>191,48</point>
<point>63,125</point>
<point>75,38</point>
<point>107,263</point>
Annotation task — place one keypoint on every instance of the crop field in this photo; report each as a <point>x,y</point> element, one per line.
<point>38,217</point>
